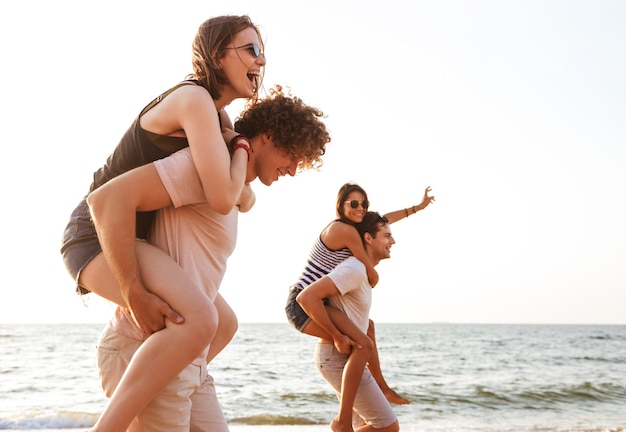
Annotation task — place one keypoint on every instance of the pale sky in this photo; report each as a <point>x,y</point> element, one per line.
<point>513,111</point>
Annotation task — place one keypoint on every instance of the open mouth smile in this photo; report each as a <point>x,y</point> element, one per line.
<point>255,78</point>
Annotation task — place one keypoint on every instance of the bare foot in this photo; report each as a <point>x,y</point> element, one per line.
<point>336,426</point>
<point>395,398</point>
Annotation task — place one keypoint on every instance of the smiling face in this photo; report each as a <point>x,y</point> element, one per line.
<point>379,247</point>
<point>227,58</point>
<point>350,197</point>
<point>354,206</point>
<point>269,163</point>
<point>243,62</point>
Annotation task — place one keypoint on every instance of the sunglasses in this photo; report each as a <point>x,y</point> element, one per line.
<point>355,204</point>
<point>252,48</point>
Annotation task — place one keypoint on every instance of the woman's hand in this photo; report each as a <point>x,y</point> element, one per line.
<point>426,200</point>
<point>246,199</point>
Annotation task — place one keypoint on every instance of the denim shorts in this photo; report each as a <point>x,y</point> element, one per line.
<point>80,243</point>
<point>296,316</point>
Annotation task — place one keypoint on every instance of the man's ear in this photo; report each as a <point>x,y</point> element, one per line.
<point>266,139</point>
<point>367,238</point>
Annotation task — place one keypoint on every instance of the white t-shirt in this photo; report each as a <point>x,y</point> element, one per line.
<point>350,278</point>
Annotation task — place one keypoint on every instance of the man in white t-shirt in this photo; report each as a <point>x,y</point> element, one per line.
<point>347,289</point>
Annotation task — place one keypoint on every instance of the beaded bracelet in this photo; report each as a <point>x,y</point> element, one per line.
<point>235,144</point>
<point>236,138</point>
<point>243,146</point>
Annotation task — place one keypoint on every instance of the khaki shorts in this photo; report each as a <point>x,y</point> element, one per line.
<point>188,403</point>
<point>370,406</point>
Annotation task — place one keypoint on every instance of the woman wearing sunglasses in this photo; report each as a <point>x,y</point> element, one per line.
<point>228,63</point>
<point>339,240</point>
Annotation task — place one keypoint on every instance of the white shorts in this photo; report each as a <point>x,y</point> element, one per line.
<point>188,403</point>
<point>370,406</point>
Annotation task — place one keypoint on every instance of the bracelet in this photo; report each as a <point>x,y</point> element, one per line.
<point>236,138</point>
<point>243,146</point>
<point>414,211</point>
<point>407,212</point>
<point>235,144</point>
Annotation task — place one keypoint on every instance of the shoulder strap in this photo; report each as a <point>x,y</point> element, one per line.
<point>160,97</point>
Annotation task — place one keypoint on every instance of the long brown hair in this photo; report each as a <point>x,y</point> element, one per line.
<point>212,37</point>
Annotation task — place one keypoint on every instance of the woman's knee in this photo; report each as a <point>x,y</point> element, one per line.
<point>202,324</point>
<point>228,328</point>
<point>367,345</point>
<point>228,323</point>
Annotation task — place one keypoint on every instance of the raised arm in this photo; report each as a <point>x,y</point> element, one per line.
<point>396,215</point>
<point>113,209</point>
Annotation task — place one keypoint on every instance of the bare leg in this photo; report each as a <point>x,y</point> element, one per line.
<point>374,367</point>
<point>165,353</point>
<point>226,328</point>
<point>353,370</point>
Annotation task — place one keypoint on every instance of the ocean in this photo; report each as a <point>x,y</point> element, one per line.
<point>459,377</point>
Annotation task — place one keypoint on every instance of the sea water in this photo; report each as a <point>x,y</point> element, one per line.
<point>459,377</point>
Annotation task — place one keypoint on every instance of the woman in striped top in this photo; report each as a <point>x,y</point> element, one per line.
<point>339,240</point>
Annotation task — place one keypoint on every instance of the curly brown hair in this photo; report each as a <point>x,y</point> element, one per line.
<point>213,36</point>
<point>292,125</point>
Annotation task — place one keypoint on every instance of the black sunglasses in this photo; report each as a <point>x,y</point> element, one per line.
<point>252,48</point>
<point>355,204</point>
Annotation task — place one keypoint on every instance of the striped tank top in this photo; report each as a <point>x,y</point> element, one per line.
<point>321,261</point>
